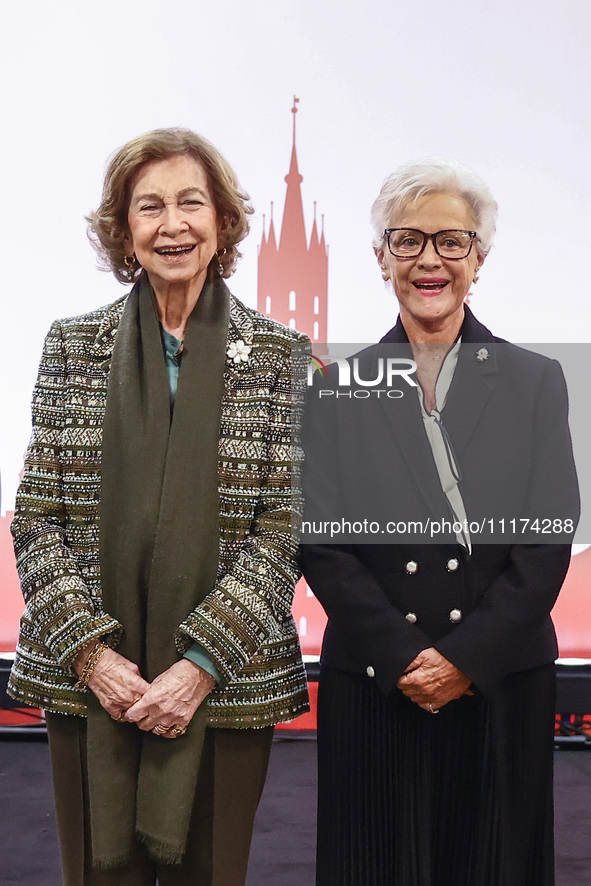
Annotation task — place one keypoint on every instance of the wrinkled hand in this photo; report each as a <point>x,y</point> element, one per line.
<point>116,681</point>
<point>172,698</point>
<point>431,680</point>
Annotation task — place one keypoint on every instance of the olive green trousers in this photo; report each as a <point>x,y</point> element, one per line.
<point>230,783</point>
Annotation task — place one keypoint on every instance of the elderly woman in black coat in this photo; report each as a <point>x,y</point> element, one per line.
<point>437,532</point>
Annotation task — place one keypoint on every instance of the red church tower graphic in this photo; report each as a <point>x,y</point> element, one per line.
<point>293,288</point>
<point>293,276</point>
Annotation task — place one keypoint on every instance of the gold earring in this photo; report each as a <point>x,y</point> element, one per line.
<point>129,262</point>
<point>475,280</point>
<point>385,274</point>
<point>219,255</point>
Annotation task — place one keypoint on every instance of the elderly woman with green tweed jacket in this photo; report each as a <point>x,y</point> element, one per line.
<point>155,534</point>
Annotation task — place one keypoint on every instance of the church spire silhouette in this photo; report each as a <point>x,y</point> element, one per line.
<point>293,230</point>
<point>293,276</point>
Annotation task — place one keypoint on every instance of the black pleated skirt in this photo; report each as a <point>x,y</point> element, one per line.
<point>460,798</point>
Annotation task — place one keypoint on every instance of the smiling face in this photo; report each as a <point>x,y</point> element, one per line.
<point>431,289</point>
<point>172,223</point>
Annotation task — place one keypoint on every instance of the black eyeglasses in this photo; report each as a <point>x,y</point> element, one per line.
<point>409,243</point>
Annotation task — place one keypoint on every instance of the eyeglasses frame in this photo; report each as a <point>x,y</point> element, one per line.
<point>427,237</point>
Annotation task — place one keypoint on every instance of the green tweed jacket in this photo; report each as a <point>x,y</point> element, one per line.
<point>245,622</point>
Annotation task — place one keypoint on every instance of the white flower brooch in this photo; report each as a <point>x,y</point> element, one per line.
<point>238,352</point>
<point>482,354</point>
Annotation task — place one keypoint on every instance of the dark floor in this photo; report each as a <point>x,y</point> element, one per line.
<point>283,846</point>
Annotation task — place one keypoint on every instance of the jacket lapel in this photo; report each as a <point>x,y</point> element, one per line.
<point>473,382</point>
<point>471,388</point>
<point>102,348</point>
<point>240,334</point>
<point>403,416</point>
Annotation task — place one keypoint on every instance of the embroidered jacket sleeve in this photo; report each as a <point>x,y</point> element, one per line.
<point>57,599</point>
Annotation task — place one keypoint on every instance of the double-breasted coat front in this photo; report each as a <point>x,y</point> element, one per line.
<point>464,797</point>
<point>506,418</point>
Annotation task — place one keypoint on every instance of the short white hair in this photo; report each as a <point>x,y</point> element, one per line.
<point>435,175</point>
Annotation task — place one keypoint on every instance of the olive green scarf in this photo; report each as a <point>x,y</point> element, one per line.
<point>159,537</point>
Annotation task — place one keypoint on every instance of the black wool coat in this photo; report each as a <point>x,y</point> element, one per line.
<point>488,612</point>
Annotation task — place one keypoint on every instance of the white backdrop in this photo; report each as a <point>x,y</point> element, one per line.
<point>503,86</point>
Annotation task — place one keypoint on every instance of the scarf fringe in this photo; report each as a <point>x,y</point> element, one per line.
<point>160,851</point>
<point>117,861</point>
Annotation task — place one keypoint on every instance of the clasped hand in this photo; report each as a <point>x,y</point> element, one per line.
<point>169,702</point>
<point>431,681</point>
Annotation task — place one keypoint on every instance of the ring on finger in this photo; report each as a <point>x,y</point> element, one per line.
<point>120,717</point>
<point>178,730</point>
<point>160,729</point>
<point>432,709</point>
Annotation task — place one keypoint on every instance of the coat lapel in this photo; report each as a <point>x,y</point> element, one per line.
<point>403,416</point>
<point>471,388</point>
<point>468,396</point>
<point>240,334</point>
<point>102,348</point>
<point>473,382</point>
